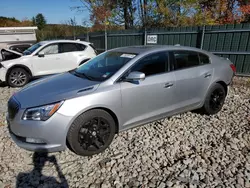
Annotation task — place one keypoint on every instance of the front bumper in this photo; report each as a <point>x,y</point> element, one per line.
<point>52,132</point>
<point>3,72</point>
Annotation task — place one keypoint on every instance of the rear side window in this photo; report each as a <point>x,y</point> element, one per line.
<point>81,47</point>
<point>93,47</point>
<point>69,47</point>
<point>185,59</point>
<point>152,64</point>
<point>204,59</point>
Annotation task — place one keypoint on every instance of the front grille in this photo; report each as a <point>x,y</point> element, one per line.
<point>13,108</point>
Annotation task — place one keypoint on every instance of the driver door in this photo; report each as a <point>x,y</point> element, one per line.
<point>151,98</point>
<point>49,63</point>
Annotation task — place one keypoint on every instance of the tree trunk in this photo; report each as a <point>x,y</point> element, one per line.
<point>126,16</point>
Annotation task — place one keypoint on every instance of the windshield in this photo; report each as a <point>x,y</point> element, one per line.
<point>31,49</point>
<point>104,66</point>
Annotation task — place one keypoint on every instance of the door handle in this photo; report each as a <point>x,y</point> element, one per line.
<point>207,75</point>
<point>168,85</point>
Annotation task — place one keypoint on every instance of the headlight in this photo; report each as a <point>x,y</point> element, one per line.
<point>41,113</point>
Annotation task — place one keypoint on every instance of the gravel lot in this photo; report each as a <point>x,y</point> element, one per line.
<point>187,150</point>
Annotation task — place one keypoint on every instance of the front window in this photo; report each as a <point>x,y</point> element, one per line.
<point>152,64</point>
<point>33,48</point>
<point>104,66</point>
<point>50,49</point>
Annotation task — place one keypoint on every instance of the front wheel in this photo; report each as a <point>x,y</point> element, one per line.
<point>18,77</point>
<point>214,100</point>
<point>91,133</point>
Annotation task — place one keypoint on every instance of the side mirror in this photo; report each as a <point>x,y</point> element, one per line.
<point>135,76</point>
<point>41,54</point>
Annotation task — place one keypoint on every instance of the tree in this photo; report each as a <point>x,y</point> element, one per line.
<point>165,13</point>
<point>40,21</point>
<point>33,21</point>
<point>13,22</point>
<point>244,7</point>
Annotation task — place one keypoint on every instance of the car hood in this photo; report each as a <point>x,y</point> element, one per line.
<point>9,61</point>
<point>54,89</point>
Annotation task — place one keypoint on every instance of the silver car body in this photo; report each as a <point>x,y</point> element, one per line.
<point>130,104</point>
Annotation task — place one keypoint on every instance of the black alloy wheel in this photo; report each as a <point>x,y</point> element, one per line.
<point>214,100</point>
<point>94,134</point>
<point>91,132</point>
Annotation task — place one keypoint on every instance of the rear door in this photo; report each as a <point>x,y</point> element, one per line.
<point>72,53</point>
<point>152,97</point>
<point>193,73</point>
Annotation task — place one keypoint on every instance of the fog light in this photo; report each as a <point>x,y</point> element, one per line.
<point>34,140</point>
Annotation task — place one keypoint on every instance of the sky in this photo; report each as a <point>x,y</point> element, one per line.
<point>55,11</point>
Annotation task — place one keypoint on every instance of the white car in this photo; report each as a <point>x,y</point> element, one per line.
<point>45,58</point>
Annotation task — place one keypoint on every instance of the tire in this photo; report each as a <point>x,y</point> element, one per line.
<point>87,137</point>
<point>214,100</point>
<point>18,77</point>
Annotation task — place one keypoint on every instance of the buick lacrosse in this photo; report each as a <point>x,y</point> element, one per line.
<point>118,90</point>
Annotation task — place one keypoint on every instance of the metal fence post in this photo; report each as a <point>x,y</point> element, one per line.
<point>106,40</point>
<point>203,35</point>
<point>87,36</point>
<point>145,37</point>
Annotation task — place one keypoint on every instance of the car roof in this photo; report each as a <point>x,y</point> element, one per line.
<point>71,41</point>
<point>154,48</point>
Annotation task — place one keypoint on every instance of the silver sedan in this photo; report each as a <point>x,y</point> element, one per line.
<point>119,89</point>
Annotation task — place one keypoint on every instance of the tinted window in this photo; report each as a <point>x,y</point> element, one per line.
<point>204,59</point>
<point>80,47</point>
<point>51,49</point>
<point>185,59</point>
<point>153,64</point>
<point>92,46</point>
<point>69,47</point>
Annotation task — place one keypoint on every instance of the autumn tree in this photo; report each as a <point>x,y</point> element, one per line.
<point>165,13</point>
<point>244,6</point>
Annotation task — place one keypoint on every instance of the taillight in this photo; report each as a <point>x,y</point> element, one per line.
<point>233,68</point>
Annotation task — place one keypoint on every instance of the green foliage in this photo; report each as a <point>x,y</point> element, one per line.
<point>59,31</point>
<point>40,21</point>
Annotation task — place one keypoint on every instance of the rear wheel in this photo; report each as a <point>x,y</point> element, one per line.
<point>18,77</point>
<point>214,100</point>
<point>91,133</point>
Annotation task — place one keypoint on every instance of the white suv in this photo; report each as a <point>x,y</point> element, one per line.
<point>45,58</point>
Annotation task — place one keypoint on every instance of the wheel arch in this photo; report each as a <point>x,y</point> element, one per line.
<point>18,66</point>
<point>111,113</point>
<point>224,85</point>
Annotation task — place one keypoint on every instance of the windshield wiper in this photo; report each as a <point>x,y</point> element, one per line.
<point>83,74</point>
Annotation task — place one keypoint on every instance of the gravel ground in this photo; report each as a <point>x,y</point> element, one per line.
<point>187,150</point>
